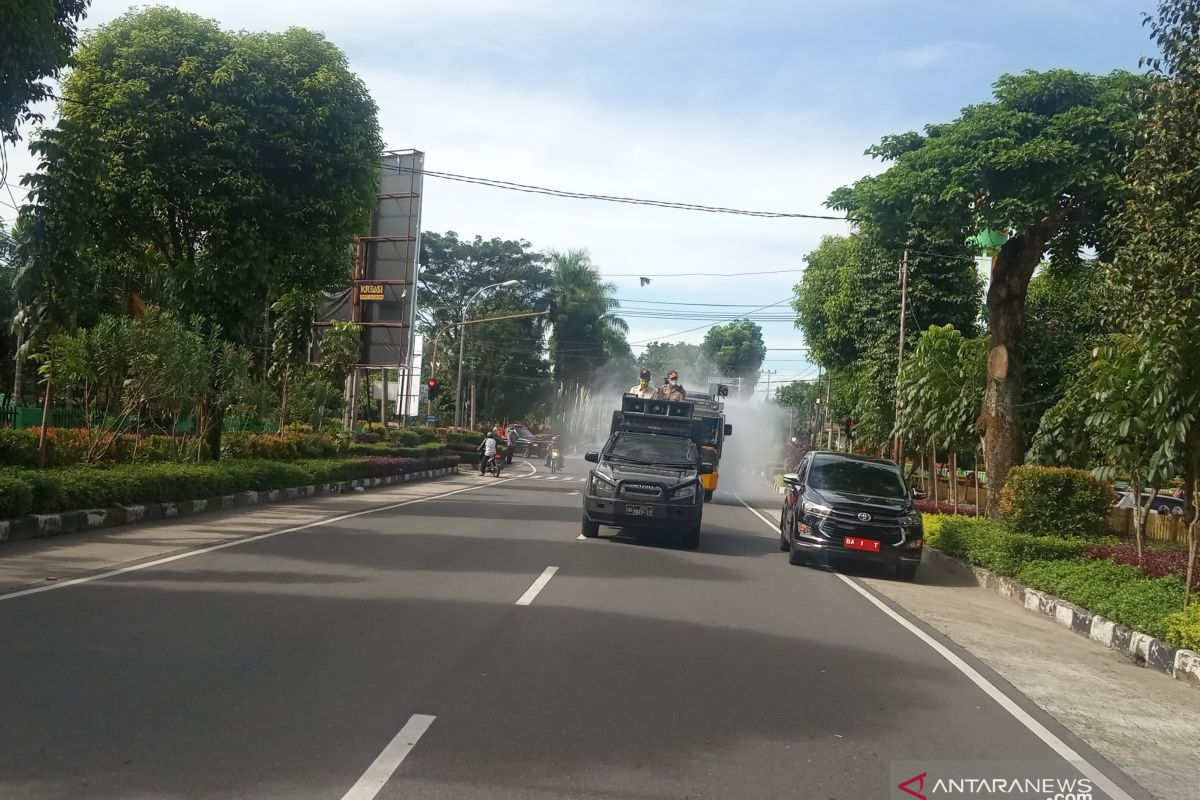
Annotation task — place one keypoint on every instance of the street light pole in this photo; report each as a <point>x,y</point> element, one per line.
<point>462,339</point>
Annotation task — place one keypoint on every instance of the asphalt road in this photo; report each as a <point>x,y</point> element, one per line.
<point>428,652</point>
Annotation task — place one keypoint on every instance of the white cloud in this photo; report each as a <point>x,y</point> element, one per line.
<point>937,54</point>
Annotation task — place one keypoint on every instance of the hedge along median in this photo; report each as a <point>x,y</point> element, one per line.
<point>1057,565</point>
<point>26,491</point>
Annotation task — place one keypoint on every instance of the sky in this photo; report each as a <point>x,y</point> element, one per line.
<point>759,104</point>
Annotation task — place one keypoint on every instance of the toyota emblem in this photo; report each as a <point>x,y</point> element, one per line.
<point>864,517</point>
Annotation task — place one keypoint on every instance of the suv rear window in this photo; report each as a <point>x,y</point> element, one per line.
<point>857,477</point>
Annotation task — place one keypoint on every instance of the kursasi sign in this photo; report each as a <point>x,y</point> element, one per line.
<point>370,291</point>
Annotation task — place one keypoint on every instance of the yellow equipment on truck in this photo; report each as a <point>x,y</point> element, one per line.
<point>712,414</point>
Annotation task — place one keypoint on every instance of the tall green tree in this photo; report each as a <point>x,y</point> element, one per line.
<point>505,358</point>
<point>39,36</point>
<point>1042,161</point>
<point>847,305</point>
<point>587,333</point>
<point>1158,269</point>
<point>737,350</point>
<point>218,170</point>
<point>689,360</point>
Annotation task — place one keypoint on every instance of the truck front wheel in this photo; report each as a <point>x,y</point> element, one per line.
<point>590,529</point>
<point>708,495</point>
<point>691,538</point>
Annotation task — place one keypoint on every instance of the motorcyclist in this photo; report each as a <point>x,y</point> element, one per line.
<point>550,448</point>
<point>642,388</point>
<point>672,389</point>
<point>488,448</point>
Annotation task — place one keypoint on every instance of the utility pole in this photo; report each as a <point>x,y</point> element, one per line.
<point>898,445</point>
<point>768,373</point>
<point>828,397</point>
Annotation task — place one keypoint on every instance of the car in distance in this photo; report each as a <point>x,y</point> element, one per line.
<point>845,506</point>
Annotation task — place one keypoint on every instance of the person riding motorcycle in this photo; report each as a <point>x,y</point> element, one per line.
<point>551,449</point>
<point>671,388</point>
<point>488,448</point>
<point>642,388</point>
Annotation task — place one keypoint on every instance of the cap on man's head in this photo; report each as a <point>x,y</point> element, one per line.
<point>645,375</point>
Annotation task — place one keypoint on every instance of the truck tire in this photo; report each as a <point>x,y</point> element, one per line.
<point>906,572</point>
<point>691,538</point>
<point>590,529</point>
<point>796,557</point>
<point>708,495</point>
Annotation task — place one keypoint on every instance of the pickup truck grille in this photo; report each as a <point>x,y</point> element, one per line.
<point>640,490</point>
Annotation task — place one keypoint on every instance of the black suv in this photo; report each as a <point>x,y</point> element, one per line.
<point>648,473</point>
<point>839,505</point>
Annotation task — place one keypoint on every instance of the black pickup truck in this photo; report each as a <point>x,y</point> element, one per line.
<point>647,475</point>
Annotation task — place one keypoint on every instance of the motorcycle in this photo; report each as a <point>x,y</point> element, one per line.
<point>493,464</point>
<point>554,459</point>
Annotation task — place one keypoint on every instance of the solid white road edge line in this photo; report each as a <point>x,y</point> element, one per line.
<point>235,542</point>
<point>1022,716</point>
<point>382,769</point>
<point>537,586</point>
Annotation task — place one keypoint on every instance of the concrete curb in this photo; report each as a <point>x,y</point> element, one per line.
<point>37,526</point>
<point>1143,649</point>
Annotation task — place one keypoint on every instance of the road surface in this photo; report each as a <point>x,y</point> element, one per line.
<point>470,645</point>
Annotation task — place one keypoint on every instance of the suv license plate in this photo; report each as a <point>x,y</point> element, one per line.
<point>639,511</point>
<point>870,545</point>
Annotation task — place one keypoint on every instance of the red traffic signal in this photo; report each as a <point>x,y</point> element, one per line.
<point>434,388</point>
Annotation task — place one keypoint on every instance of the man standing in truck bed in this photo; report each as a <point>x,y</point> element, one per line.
<point>671,389</point>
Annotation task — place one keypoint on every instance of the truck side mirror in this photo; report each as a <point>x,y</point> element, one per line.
<point>918,494</point>
<point>591,456</point>
<point>791,479</point>
<point>706,469</point>
<point>729,430</point>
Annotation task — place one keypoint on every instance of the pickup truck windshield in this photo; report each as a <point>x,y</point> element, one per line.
<point>652,449</point>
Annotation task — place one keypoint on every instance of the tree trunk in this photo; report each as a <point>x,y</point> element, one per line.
<point>954,482</point>
<point>216,425</point>
<point>1001,418</point>
<point>41,458</point>
<point>933,473</point>
<point>1189,511</point>
<point>283,401</point>
<point>1139,513</point>
<point>19,368</point>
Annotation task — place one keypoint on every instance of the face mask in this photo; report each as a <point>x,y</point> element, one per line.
<point>672,382</point>
<point>644,384</point>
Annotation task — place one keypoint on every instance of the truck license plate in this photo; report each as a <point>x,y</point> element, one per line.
<point>639,511</point>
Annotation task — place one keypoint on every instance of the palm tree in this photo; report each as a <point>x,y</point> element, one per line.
<point>587,333</point>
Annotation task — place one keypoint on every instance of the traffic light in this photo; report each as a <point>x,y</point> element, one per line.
<point>848,428</point>
<point>722,390</point>
<point>434,389</point>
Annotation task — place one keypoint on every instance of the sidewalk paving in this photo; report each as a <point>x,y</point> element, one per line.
<point>37,562</point>
<point>1144,722</point>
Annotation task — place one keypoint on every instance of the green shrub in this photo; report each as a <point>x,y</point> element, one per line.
<point>471,459</point>
<point>385,449</point>
<point>23,491</point>
<point>18,448</point>
<point>933,529</point>
<point>1116,591</point>
<point>404,437</point>
<point>292,444</point>
<point>1183,627</point>
<point>16,496</point>
<point>989,545</point>
<point>1054,501</point>
<point>463,437</point>
<point>425,434</point>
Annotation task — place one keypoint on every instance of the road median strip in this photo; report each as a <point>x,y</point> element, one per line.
<point>36,526</point>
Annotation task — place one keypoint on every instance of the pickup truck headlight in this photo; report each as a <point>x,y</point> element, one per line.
<point>684,492</point>
<point>912,520</point>
<point>818,509</point>
<point>602,487</point>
